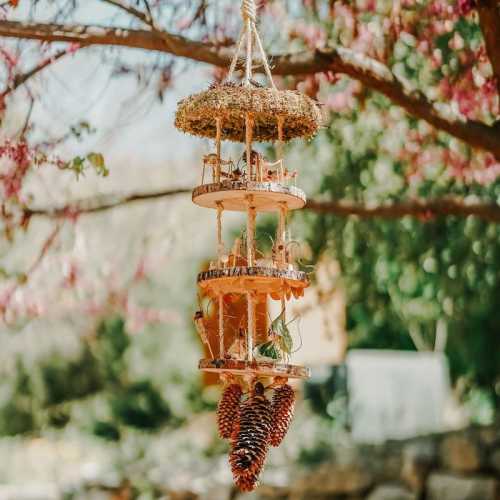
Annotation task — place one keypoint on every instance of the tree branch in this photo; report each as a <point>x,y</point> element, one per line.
<point>100,204</point>
<point>371,73</point>
<point>21,78</point>
<point>129,10</point>
<point>489,20</point>
<point>11,290</point>
<point>415,208</point>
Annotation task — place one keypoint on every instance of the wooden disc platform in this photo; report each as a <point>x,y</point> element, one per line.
<point>258,368</point>
<point>261,280</point>
<point>266,196</point>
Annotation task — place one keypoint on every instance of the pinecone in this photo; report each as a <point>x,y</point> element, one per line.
<point>247,483</point>
<point>283,405</point>
<point>251,442</point>
<point>228,410</point>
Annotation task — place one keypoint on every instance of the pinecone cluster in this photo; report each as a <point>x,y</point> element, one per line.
<point>228,410</point>
<point>283,406</point>
<point>251,442</point>
<point>253,425</point>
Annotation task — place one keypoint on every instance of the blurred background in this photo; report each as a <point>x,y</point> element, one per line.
<point>100,396</point>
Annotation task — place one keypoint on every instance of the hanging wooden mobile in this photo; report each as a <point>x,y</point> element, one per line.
<point>250,349</point>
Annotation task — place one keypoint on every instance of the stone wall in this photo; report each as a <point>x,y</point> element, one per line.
<point>462,465</point>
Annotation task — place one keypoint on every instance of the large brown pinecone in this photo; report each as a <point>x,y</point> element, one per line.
<point>228,410</point>
<point>246,483</point>
<point>283,405</point>
<point>251,443</point>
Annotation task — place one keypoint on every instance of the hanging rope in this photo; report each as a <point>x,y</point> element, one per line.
<point>248,65</point>
<point>263,55</point>
<point>249,11</point>
<point>248,33</point>
<point>239,45</point>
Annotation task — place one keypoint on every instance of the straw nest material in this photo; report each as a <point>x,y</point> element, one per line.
<point>197,113</point>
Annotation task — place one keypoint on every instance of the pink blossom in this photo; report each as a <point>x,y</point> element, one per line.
<point>464,7</point>
<point>314,36</point>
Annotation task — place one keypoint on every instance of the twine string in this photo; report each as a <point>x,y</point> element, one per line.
<point>248,33</point>
<point>249,11</point>
<point>263,56</point>
<point>234,61</point>
<point>248,66</point>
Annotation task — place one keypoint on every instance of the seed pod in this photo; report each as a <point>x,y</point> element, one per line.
<point>283,405</point>
<point>228,410</point>
<point>251,442</point>
<point>247,483</point>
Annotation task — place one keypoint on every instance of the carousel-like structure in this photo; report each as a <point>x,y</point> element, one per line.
<point>252,352</point>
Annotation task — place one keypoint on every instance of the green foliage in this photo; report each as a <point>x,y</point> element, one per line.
<point>409,274</point>
<point>15,419</point>
<point>111,343</point>
<point>79,164</point>
<point>106,430</point>
<point>216,448</point>
<point>327,395</point>
<point>200,399</point>
<point>268,350</point>
<point>140,405</point>
<point>42,395</point>
<point>69,379</point>
<point>316,454</point>
<point>16,415</point>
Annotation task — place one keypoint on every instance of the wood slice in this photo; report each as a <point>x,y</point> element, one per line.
<point>267,196</point>
<point>259,280</point>
<point>259,368</point>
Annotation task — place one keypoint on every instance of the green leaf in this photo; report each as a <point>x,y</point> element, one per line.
<point>285,339</point>
<point>97,161</point>
<point>269,350</point>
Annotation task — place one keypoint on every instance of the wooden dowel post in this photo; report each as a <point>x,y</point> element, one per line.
<point>279,147</point>
<point>251,325</point>
<point>281,236</point>
<point>248,144</point>
<point>218,149</point>
<point>221,326</point>
<point>220,243</point>
<point>250,232</point>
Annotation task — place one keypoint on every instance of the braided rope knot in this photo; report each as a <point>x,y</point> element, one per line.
<point>249,10</point>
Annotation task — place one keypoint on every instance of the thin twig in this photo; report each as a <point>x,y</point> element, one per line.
<point>21,78</point>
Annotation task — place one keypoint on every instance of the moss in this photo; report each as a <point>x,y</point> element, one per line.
<point>197,113</point>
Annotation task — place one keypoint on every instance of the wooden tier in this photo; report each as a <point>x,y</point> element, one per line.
<point>267,196</point>
<point>257,368</point>
<point>260,280</point>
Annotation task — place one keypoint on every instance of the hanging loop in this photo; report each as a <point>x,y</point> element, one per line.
<point>249,31</point>
<point>249,11</point>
